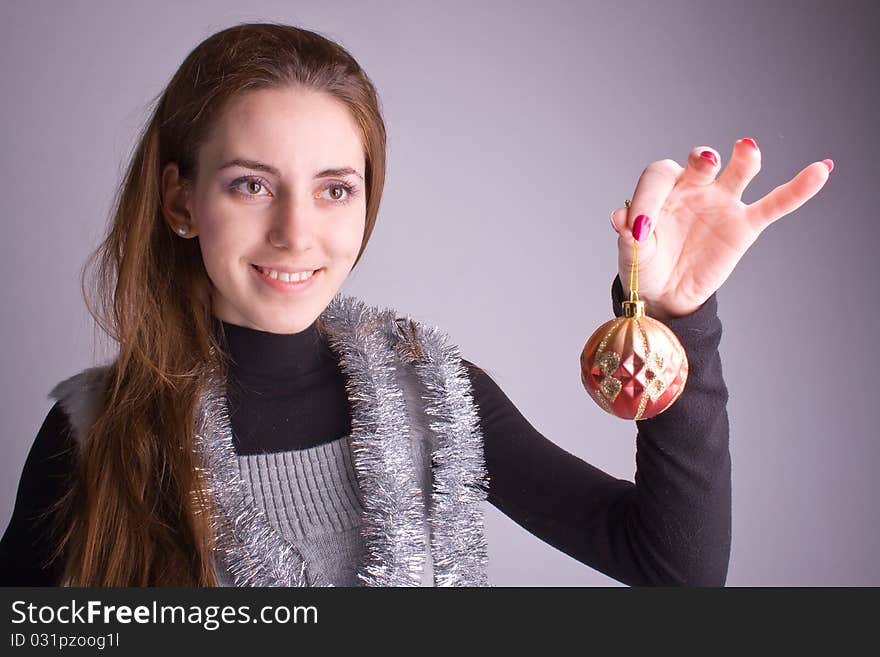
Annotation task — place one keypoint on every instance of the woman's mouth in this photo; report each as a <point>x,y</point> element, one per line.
<point>284,281</point>
<point>284,276</point>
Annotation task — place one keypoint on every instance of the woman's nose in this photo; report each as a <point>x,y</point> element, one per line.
<point>293,227</point>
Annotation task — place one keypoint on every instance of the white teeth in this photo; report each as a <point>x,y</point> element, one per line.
<point>284,276</point>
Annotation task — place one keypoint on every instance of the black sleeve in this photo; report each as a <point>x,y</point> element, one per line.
<point>673,525</point>
<point>29,541</point>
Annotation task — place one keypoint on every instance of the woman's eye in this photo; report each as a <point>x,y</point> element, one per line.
<point>250,187</point>
<point>338,193</point>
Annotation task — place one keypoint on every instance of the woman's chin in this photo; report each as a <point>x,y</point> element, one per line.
<point>270,324</point>
<point>286,325</point>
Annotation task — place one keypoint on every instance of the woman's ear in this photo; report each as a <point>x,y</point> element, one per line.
<point>175,201</point>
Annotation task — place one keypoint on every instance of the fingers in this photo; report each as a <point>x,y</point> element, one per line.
<point>790,196</point>
<point>744,165</point>
<point>702,166</point>
<point>654,186</point>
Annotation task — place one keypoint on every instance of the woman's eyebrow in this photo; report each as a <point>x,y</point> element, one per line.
<point>342,171</point>
<point>268,168</point>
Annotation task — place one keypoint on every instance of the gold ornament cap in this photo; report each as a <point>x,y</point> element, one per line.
<point>633,308</point>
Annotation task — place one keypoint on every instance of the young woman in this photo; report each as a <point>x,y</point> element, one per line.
<point>260,428</point>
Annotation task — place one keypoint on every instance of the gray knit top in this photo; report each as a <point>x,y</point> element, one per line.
<point>312,499</point>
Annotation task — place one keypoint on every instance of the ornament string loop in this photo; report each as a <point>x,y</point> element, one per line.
<point>634,267</point>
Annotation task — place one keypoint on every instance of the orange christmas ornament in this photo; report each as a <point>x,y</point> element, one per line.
<point>633,366</point>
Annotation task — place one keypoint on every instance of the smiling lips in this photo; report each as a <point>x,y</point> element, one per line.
<point>287,277</point>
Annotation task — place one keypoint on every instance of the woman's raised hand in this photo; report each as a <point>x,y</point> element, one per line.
<point>693,228</point>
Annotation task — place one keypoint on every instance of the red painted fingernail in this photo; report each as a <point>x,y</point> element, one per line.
<point>641,227</point>
<point>751,142</point>
<point>709,155</point>
<point>829,164</point>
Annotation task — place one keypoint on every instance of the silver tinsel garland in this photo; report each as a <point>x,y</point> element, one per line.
<point>371,345</point>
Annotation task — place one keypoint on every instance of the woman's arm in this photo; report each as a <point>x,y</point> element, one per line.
<point>27,546</point>
<point>673,525</point>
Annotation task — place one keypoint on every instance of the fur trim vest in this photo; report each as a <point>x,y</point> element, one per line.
<point>405,382</point>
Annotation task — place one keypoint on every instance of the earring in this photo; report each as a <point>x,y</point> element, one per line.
<point>183,230</point>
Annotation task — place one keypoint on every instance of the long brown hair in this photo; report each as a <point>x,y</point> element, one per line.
<point>135,514</point>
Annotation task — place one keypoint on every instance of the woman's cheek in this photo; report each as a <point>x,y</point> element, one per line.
<point>348,236</point>
<point>207,217</point>
<point>219,229</point>
<point>219,244</point>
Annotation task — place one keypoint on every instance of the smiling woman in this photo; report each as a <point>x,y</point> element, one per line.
<point>133,513</point>
<point>259,428</point>
<point>276,246</point>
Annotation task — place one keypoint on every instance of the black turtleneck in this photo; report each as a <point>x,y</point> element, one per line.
<point>285,391</point>
<point>672,526</point>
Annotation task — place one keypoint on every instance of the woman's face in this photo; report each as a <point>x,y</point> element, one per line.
<point>279,194</point>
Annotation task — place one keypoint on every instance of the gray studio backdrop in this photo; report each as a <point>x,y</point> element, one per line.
<point>515,128</point>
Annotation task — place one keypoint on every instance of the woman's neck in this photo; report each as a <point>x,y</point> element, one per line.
<point>256,354</point>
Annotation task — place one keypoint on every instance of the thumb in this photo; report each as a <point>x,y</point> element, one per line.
<point>618,220</point>
<point>618,223</point>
